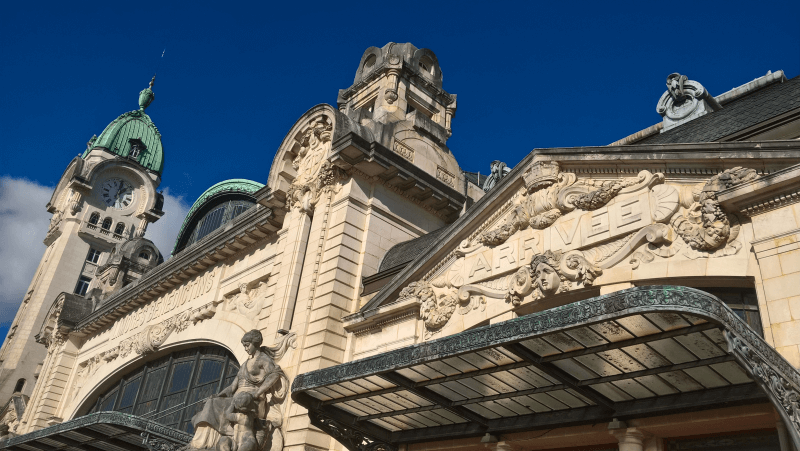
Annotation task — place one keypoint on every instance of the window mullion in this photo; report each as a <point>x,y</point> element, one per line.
<point>139,391</point>
<point>167,375</point>
<point>224,374</point>
<point>189,387</point>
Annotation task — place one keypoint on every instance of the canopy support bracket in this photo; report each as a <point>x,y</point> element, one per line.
<point>782,393</point>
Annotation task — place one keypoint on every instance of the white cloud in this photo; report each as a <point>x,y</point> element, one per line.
<point>164,232</point>
<point>23,226</point>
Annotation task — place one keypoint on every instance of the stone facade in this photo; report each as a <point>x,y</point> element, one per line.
<point>350,183</point>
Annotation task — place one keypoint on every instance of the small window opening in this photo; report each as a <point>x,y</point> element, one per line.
<point>369,64</point>
<point>93,255</point>
<point>137,146</point>
<point>106,224</point>
<point>145,255</point>
<point>20,385</point>
<point>426,64</point>
<point>94,218</point>
<point>119,229</point>
<point>83,285</point>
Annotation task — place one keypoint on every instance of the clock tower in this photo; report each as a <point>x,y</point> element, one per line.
<point>105,199</point>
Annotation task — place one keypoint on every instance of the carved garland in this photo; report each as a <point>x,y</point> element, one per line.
<point>701,230</point>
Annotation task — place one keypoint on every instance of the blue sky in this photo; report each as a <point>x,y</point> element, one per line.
<point>235,77</point>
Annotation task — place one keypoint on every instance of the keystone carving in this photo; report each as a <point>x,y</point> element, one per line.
<point>551,273</point>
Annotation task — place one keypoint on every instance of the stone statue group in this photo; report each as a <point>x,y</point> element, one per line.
<point>247,415</point>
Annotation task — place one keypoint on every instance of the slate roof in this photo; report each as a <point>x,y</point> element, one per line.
<point>476,178</point>
<point>737,115</point>
<point>409,250</point>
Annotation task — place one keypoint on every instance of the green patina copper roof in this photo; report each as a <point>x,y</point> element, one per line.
<point>227,186</point>
<point>134,125</point>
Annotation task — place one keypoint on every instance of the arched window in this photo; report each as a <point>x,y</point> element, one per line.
<point>369,64</point>
<point>119,229</point>
<point>426,64</point>
<point>144,255</point>
<point>20,385</point>
<point>172,389</point>
<point>218,217</point>
<point>106,224</point>
<point>94,218</point>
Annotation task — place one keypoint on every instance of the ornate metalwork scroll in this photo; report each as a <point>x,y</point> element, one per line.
<point>781,392</point>
<point>352,439</point>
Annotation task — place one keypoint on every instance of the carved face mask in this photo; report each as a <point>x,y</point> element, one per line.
<point>547,278</point>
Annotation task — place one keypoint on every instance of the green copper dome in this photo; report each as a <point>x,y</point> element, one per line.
<point>134,135</point>
<point>238,193</point>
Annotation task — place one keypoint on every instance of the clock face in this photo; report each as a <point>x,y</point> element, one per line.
<point>117,193</point>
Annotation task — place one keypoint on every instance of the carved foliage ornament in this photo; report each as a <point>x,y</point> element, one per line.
<point>315,174</point>
<point>551,194</point>
<point>701,230</point>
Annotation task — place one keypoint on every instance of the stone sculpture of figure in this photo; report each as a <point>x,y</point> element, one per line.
<point>242,413</point>
<point>499,170</point>
<point>247,415</point>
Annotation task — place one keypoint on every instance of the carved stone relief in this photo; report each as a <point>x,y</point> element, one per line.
<point>560,232</point>
<point>445,176</point>
<point>404,151</point>
<point>315,174</point>
<point>248,301</point>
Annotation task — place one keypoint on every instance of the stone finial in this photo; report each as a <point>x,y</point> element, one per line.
<point>683,101</point>
<point>146,96</point>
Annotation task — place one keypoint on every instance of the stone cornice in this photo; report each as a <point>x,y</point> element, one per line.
<point>248,228</point>
<point>764,194</point>
<point>657,153</point>
<point>363,321</point>
<point>351,151</point>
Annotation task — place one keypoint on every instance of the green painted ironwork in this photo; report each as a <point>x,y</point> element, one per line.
<point>226,186</point>
<point>134,127</point>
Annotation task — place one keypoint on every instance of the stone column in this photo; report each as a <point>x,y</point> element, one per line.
<point>630,439</point>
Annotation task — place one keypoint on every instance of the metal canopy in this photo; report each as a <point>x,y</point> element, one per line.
<point>102,431</point>
<point>639,352</point>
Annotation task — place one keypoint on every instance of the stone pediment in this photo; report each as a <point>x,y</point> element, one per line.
<point>558,225</point>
